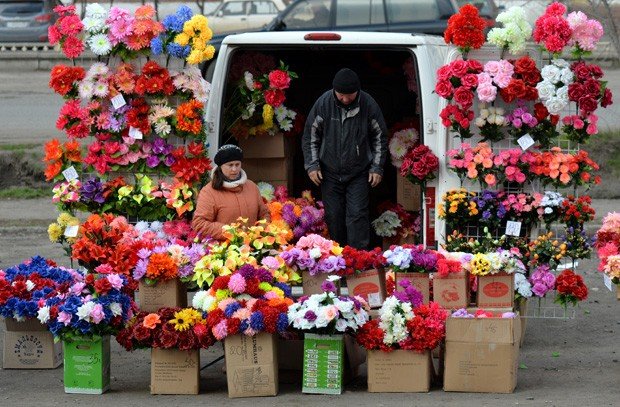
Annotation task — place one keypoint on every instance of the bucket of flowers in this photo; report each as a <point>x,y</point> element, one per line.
<point>247,310</point>
<point>175,337</point>
<point>400,342</point>
<point>83,316</point>
<point>325,319</point>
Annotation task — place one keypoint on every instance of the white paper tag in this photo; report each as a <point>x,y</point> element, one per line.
<point>72,231</point>
<point>135,133</point>
<point>608,282</point>
<point>526,142</point>
<point>118,101</point>
<point>70,174</point>
<point>513,228</point>
<point>374,299</point>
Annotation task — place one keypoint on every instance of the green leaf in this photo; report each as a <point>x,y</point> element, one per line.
<point>585,311</point>
<point>522,366</point>
<point>556,354</point>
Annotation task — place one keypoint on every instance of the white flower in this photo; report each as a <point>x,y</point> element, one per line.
<point>84,310</point>
<point>567,76</point>
<point>562,93</point>
<point>249,111</point>
<point>101,89</point>
<point>116,309</point>
<point>249,80</point>
<point>44,314</point>
<point>156,226</point>
<point>201,298</point>
<point>551,73</point>
<point>100,44</point>
<point>85,89</point>
<point>555,105</point>
<point>560,63</point>
<point>30,285</point>
<point>545,90</point>
<point>95,10</point>
<point>315,253</point>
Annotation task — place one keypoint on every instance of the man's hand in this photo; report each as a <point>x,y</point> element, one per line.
<point>374,179</point>
<point>316,177</point>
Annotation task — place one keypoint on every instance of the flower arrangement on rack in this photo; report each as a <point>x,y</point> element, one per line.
<point>24,286</point>
<point>608,246</point>
<point>327,313</point>
<point>412,259</point>
<point>552,30</point>
<point>513,33</point>
<point>60,156</point>
<point>257,105</point>
<point>545,250</point>
<point>396,222</point>
<point>522,85</point>
<point>246,302</point>
<point>314,254</point>
<point>571,288</point>
<point>564,169</point>
<point>168,328</point>
<point>586,33</point>
<point>576,211</point>
<point>553,89</point>
<point>578,243</point>
<point>261,237</point>
<point>457,82</point>
<point>57,231</point>
<point>552,204</point>
<point>465,29</point>
<point>491,122</point>
<point>419,165</point>
<point>402,325</point>
<point>401,143</point>
<point>66,31</point>
<point>91,306</point>
<point>358,261</point>
<point>542,280</point>
<point>458,204</point>
<point>500,261</point>
<point>302,215</point>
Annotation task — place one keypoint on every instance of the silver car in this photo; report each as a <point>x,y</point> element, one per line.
<point>25,20</point>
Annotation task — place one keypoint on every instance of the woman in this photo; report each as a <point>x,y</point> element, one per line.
<point>228,196</point>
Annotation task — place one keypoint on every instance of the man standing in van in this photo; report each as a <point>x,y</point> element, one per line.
<point>345,148</point>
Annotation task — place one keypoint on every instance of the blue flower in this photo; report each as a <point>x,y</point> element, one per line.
<point>177,50</point>
<point>157,46</point>
<point>231,309</point>
<point>282,324</point>
<point>243,325</point>
<point>285,288</point>
<point>257,322</point>
<point>184,13</point>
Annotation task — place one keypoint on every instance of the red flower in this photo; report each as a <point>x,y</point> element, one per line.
<point>102,286</point>
<point>274,97</point>
<point>279,79</point>
<point>466,29</point>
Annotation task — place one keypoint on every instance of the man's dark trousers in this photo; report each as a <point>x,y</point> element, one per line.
<point>346,208</point>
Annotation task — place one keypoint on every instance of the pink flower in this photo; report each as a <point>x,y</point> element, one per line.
<point>220,331</point>
<point>486,93</point>
<point>492,67</point>
<point>484,79</point>
<point>64,318</point>
<point>591,129</point>
<point>331,312</point>
<point>97,313</point>
<point>236,283</point>
<point>104,269</point>
<point>76,289</point>
<point>115,281</point>
<point>242,313</point>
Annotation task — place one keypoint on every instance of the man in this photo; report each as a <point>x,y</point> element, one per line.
<point>345,148</point>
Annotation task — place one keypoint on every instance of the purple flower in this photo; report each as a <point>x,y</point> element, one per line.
<point>462,313</point>
<point>288,214</point>
<point>140,270</point>
<point>92,191</point>
<point>539,289</point>
<point>159,146</point>
<point>328,286</point>
<point>152,161</point>
<point>169,160</point>
<point>310,316</point>
<point>410,294</point>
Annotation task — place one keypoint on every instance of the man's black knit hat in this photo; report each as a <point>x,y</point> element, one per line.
<point>346,81</point>
<point>228,153</point>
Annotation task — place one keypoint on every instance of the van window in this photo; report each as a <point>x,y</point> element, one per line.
<point>359,12</point>
<point>405,11</point>
<point>308,14</point>
<point>263,7</point>
<point>234,8</point>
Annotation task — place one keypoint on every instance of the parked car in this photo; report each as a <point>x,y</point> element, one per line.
<point>487,9</point>
<point>25,20</point>
<point>243,15</point>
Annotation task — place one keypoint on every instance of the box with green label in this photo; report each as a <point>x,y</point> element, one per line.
<point>323,364</point>
<point>87,365</point>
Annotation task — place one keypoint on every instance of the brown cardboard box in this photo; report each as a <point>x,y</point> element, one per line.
<point>496,291</point>
<point>264,147</point>
<point>171,293</point>
<point>31,350</point>
<point>409,195</point>
<point>267,169</point>
<point>251,365</point>
<point>369,285</point>
<point>451,292</point>
<point>399,371</point>
<point>482,354</point>
<point>175,371</point>
<point>30,324</point>
<point>374,313</point>
<point>418,280</point>
<point>312,284</point>
<point>521,308</point>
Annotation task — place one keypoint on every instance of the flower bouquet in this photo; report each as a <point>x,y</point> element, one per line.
<point>465,29</point>
<point>303,215</point>
<point>64,231</point>
<point>542,280</point>
<point>419,165</point>
<point>316,257</point>
<point>413,263</point>
<point>365,274</point>
<point>571,289</point>
<point>401,143</point>
<point>396,225</point>
<point>459,208</point>
<point>608,247</point>
<point>513,33</point>
<point>403,326</point>
<point>496,277</point>
<point>544,250</point>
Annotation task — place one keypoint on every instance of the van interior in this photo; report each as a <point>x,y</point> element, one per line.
<point>389,76</point>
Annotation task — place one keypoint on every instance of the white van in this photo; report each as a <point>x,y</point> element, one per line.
<point>397,70</point>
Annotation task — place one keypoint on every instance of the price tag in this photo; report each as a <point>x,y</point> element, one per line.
<point>70,174</point>
<point>135,133</point>
<point>72,231</point>
<point>118,101</point>
<point>513,228</point>
<point>525,142</point>
<point>374,299</point>
<point>608,282</point>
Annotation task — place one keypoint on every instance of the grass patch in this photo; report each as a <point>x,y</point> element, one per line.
<point>15,192</point>
<point>18,147</point>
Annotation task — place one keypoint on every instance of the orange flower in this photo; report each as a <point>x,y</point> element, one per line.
<point>151,321</point>
<point>53,151</point>
<point>52,170</point>
<point>73,151</point>
<point>188,117</point>
<point>161,267</point>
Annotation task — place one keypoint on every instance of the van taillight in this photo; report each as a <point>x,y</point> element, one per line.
<point>322,37</point>
<point>43,18</point>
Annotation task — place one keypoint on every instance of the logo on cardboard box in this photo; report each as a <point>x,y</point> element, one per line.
<point>495,289</point>
<point>28,349</point>
<point>244,351</point>
<point>364,289</point>
<point>450,293</point>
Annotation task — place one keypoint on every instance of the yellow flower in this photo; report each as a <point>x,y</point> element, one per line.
<point>268,115</point>
<point>182,320</point>
<point>206,34</point>
<point>64,219</point>
<point>194,57</point>
<point>124,191</point>
<point>182,39</point>
<point>209,52</point>
<point>54,232</point>
<point>480,265</point>
<point>222,294</point>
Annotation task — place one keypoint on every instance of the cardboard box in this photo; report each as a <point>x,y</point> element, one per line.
<point>452,291</point>
<point>482,354</point>
<point>496,291</point>
<point>369,285</point>
<point>521,308</point>
<point>312,284</point>
<point>171,293</point>
<point>28,325</point>
<point>175,371</point>
<point>418,280</point>
<point>399,371</point>
<point>251,365</point>
<point>268,169</point>
<point>264,147</point>
<point>323,364</point>
<point>409,195</point>
<point>31,350</point>
<point>87,365</point>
